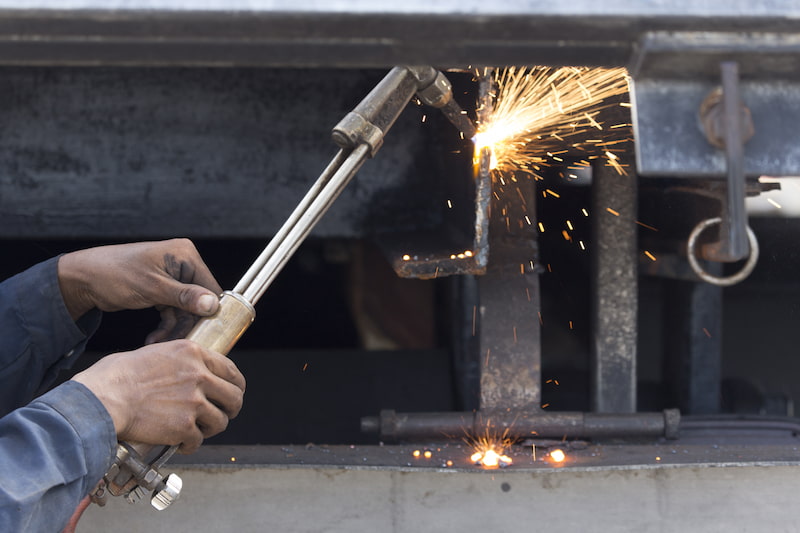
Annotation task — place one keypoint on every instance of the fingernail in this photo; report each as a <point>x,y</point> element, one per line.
<point>206,303</point>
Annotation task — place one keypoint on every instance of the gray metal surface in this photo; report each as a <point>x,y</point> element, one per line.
<point>199,152</point>
<point>673,74</point>
<point>664,488</point>
<point>614,290</point>
<point>365,33</point>
<point>670,142</point>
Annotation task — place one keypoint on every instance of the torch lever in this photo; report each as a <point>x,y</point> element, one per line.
<point>359,135</point>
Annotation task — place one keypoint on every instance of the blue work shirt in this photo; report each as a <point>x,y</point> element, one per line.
<point>54,449</point>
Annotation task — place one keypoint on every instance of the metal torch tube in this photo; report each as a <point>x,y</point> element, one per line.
<point>279,237</point>
<point>301,225</point>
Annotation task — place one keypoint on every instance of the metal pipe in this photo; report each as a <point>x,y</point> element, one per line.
<point>280,236</point>
<point>305,222</point>
<point>390,425</point>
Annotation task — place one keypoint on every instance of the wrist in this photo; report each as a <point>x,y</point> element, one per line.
<point>74,285</point>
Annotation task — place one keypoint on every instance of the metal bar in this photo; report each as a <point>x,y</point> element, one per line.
<point>293,219</point>
<point>305,222</point>
<point>693,344</point>
<point>615,294</point>
<point>372,33</point>
<point>510,336</point>
<point>521,424</point>
<point>734,221</point>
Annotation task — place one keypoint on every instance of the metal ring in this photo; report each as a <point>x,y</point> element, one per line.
<point>714,280</point>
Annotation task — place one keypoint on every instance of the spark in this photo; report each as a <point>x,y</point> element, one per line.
<point>489,450</point>
<point>558,455</point>
<point>649,255</point>
<point>305,366</point>
<point>708,334</point>
<point>585,212</point>
<point>537,110</point>
<point>428,454</point>
<point>416,453</point>
<point>613,212</point>
<point>569,225</point>
<point>233,459</point>
<point>406,257</point>
<point>646,226</point>
<point>449,204</point>
<point>773,202</point>
<point>550,192</point>
<point>541,227</point>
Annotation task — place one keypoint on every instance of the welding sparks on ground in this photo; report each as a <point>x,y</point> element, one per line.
<point>490,449</point>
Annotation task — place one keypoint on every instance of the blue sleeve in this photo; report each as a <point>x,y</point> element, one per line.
<point>39,338</point>
<point>52,453</point>
<point>57,447</point>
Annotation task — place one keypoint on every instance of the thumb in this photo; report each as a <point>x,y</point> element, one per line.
<point>193,298</point>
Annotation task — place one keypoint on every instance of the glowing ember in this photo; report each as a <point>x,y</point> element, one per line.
<point>558,455</point>
<point>490,458</point>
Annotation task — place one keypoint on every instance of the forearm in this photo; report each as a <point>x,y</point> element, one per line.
<point>39,336</point>
<point>52,453</point>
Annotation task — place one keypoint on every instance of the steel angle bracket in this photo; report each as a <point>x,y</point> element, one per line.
<point>673,73</point>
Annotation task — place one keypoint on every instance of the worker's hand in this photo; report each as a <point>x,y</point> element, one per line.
<point>169,275</point>
<point>174,393</point>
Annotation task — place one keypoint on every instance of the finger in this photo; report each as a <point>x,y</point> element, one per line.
<point>224,368</point>
<point>184,322</point>
<point>211,420</point>
<point>165,327</point>
<point>195,299</point>
<point>226,396</point>
<point>191,443</point>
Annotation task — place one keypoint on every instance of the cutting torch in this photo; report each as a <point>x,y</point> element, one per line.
<point>137,467</point>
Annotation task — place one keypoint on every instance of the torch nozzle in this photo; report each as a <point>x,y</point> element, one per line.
<point>435,90</point>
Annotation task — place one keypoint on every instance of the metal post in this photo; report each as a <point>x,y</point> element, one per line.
<point>615,287</point>
<point>510,337</point>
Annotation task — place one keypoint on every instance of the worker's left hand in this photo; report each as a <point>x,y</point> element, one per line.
<point>169,275</point>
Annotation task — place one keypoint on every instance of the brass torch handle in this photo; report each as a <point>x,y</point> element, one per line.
<point>221,331</point>
<point>131,470</point>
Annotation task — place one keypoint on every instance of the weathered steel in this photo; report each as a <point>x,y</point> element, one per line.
<point>615,290</point>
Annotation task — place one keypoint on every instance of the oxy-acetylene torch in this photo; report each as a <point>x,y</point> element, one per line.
<point>137,467</point>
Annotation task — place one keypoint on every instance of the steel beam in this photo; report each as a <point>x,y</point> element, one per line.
<point>371,33</point>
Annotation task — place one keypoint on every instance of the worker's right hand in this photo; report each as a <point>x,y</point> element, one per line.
<point>174,393</point>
